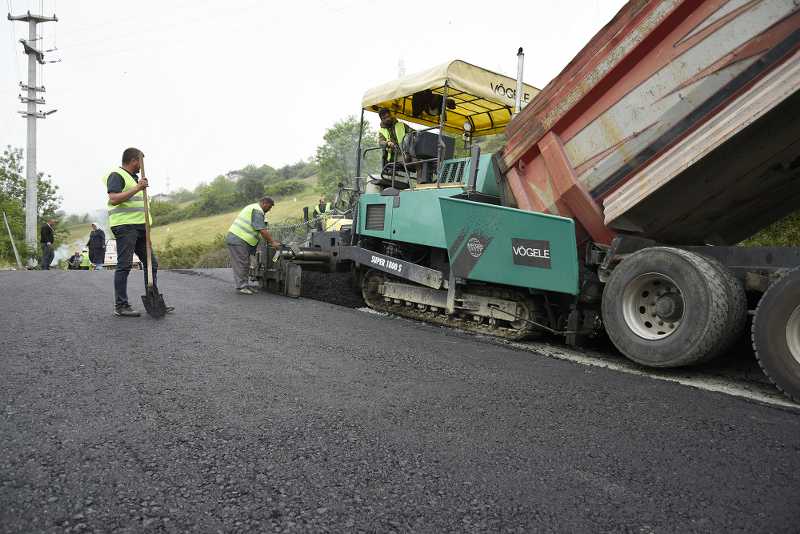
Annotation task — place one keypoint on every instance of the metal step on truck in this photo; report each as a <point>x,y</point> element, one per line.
<point>615,205</point>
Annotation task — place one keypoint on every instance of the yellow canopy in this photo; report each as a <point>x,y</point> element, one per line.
<point>481,97</point>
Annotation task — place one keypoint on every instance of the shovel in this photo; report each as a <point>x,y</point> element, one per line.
<point>153,300</point>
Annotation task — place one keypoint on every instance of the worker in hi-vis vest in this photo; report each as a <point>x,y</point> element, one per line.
<point>242,239</point>
<point>390,135</point>
<point>320,212</point>
<point>85,263</point>
<point>126,220</point>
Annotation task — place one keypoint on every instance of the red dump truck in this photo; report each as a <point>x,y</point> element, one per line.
<point>670,138</point>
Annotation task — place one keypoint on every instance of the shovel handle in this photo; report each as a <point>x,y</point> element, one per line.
<point>147,227</point>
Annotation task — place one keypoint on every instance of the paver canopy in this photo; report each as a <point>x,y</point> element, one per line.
<point>475,95</point>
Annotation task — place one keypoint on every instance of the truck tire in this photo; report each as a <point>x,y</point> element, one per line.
<point>776,334</point>
<point>737,305</point>
<point>666,307</point>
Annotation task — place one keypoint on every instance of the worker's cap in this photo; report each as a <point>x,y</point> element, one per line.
<point>383,112</point>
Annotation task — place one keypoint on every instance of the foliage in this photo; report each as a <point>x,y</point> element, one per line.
<point>298,171</point>
<point>12,201</point>
<point>784,233</point>
<point>182,195</point>
<point>285,188</point>
<point>250,187</point>
<point>186,256</point>
<point>337,157</point>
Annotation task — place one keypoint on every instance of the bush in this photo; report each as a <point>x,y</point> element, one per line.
<point>186,256</point>
<point>784,233</point>
<point>285,188</point>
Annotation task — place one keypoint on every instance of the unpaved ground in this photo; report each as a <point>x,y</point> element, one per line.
<point>264,414</point>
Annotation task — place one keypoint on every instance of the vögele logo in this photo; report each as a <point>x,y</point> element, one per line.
<point>531,253</point>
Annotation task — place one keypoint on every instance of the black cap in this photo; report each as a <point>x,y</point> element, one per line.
<point>383,112</point>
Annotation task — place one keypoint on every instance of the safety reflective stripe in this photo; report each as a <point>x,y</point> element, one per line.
<point>247,227</point>
<point>125,210</point>
<point>327,209</point>
<point>132,210</point>
<point>243,228</point>
<point>398,126</point>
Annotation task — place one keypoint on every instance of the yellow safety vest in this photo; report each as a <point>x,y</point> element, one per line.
<point>400,132</point>
<point>85,259</point>
<point>132,210</point>
<point>327,209</point>
<point>243,228</point>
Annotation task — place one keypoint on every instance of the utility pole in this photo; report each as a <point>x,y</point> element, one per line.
<point>32,114</point>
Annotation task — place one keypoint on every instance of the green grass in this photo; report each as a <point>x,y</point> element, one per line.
<point>205,229</point>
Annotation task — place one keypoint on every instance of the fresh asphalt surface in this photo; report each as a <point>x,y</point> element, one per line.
<point>268,414</point>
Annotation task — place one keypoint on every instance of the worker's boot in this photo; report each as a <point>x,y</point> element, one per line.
<point>126,311</point>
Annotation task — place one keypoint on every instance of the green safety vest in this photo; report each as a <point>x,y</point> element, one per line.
<point>318,212</point>
<point>132,210</point>
<point>243,228</point>
<point>85,259</point>
<point>399,131</point>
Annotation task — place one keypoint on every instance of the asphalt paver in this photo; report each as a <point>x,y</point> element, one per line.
<point>267,414</point>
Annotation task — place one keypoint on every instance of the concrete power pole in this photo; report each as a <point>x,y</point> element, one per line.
<point>31,114</point>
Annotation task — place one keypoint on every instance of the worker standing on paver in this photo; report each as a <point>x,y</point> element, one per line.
<point>320,212</point>
<point>243,237</point>
<point>126,220</point>
<point>390,135</point>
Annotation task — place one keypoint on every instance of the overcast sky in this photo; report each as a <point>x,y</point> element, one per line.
<point>206,87</point>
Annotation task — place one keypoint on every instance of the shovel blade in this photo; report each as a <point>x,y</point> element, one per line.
<point>154,303</point>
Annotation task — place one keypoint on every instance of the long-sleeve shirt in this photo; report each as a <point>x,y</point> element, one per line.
<point>46,234</point>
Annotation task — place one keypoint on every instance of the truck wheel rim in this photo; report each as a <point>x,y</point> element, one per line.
<point>793,334</point>
<point>652,306</point>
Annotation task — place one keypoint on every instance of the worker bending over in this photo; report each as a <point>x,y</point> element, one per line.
<point>242,239</point>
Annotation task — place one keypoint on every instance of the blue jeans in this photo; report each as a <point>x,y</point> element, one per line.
<point>130,239</point>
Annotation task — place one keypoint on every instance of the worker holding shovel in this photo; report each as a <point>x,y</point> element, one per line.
<point>129,221</point>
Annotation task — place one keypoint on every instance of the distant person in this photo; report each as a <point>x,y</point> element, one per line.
<point>97,247</point>
<point>320,211</point>
<point>74,261</point>
<point>242,239</point>
<point>390,135</point>
<point>46,236</point>
<point>126,220</point>
<point>85,263</point>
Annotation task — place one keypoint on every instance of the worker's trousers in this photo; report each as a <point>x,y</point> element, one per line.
<point>47,256</point>
<point>130,239</point>
<point>240,263</point>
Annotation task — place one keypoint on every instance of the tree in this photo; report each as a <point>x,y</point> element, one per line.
<point>336,157</point>
<point>12,184</point>
<point>250,188</point>
<point>12,201</point>
<point>218,196</point>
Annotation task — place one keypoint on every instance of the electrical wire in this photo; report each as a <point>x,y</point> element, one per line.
<point>13,36</point>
